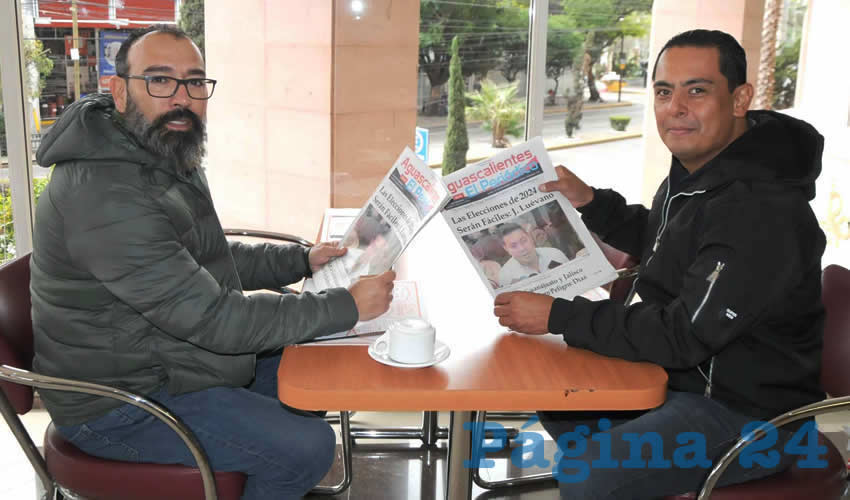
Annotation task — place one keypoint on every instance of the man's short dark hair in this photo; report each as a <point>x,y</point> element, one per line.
<point>509,227</point>
<point>732,58</point>
<point>122,68</point>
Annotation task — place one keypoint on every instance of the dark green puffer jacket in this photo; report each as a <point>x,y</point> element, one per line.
<point>134,284</point>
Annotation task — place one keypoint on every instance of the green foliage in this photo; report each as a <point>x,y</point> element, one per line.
<point>604,22</point>
<point>633,68</point>
<point>513,40</point>
<point>37,55</point>
<point>442,21</point>
<point>457,140</point>
<point>785,76</point>
<point>619,122</point>
<point>563,47</point>
<point>192,21</point>
<point>7,228</point>
<point>499,110</point>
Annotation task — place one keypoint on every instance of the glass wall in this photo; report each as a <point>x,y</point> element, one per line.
<point>596,71</point>
<point>62,61</point>
<point>492,52</point>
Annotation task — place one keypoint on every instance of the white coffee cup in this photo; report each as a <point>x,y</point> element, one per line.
<point>408,341</point>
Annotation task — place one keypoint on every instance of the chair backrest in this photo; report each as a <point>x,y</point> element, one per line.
<point>835,368</point>
<point>16,344</point>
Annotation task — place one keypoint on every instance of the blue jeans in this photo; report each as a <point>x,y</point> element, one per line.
<point>682,412</point>
<point>283,453</point>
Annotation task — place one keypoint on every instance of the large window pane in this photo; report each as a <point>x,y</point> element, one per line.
<point>492,40</point>
<point>596,67</point>
<point>62,62</point>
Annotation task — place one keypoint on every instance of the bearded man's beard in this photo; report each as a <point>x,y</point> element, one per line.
<point>185,148</point>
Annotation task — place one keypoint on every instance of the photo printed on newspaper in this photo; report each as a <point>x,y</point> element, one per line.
<point>518,237</point>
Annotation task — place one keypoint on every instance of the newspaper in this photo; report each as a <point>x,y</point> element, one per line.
<point>517,237</point>
<point>407,197</point>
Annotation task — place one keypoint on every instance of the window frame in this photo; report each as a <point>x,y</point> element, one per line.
<point>17,130</point>
<point>536,75</point>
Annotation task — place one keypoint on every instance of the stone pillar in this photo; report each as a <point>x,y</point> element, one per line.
<point>312,107</point>
<point>740,18</point>
<point>374,94</point>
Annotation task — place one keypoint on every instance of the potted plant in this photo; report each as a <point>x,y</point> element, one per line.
<point>500,111</point>
<point>619,122</point>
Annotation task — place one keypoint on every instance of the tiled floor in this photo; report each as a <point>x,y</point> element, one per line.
<point>383,470</point>
<point>17,478</point>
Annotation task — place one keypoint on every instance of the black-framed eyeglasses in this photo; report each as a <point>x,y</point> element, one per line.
<point>167,86</point>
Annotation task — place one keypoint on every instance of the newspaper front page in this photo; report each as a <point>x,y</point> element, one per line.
<point>518,237</point>
<point>408,196</point>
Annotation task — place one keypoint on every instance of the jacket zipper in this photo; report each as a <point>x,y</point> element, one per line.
<point>707,391</point>
<point>668,201</point>
<point>712,279</point>
<point>667,204</point>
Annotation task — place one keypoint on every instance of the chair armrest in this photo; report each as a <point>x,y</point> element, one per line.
<point>19,376</point>
<point>627,272</point>
<point>830,405</point>
<point>256,233</point>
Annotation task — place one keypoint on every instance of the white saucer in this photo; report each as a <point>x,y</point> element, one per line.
<point>441,352</point>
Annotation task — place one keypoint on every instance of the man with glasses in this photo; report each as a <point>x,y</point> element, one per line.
<point>134,285</point>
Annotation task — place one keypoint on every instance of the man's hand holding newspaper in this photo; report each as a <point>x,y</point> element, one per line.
<point>569,185</point>
<point>524,312</point>
<point>529,312</point>
<point>323,253</point>
<point>373,294</point>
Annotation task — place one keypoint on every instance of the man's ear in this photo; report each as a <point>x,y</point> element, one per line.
<point>741,98</point>
<point>118,88</point>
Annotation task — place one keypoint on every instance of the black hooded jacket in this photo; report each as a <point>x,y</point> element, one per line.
<point>729,276</point>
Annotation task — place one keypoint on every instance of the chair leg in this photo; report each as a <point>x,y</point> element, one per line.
<point>345,433</point>
<point>480,420</point>
<point>29,448</point>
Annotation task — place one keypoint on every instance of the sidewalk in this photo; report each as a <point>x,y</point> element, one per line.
<point>480,151</point>
<point>432,122</point>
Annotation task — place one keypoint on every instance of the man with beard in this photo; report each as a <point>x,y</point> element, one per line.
<point>730,282</point>
<point>134,285</point>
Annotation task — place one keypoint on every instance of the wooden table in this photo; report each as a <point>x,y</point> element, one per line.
<point>489,368</point>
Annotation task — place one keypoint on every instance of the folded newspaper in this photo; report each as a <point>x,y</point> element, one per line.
<point>518,237</point>
<point>407,197</point>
